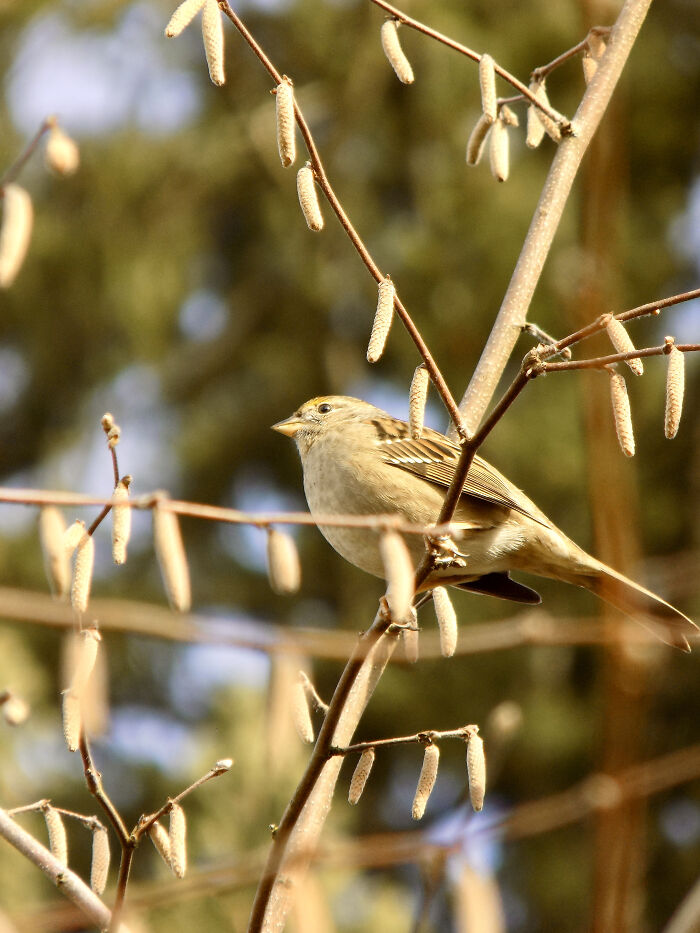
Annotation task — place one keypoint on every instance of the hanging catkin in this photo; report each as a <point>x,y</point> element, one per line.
<point>15,232</point>
<point>308,198</point>
<point>383,317</point>
<point>394,52</point>
<point>447,621</point>
<point>487,84</point>
<point>621,340</point>
<point>213,38</point>
<point>417,397</point>
<point>426,781</point>
<point>476,771</point>
<point>172,559</point>
<point>286,126</point>
<point>621,411</point>
<point>360,775</point>
<point>675,388</point>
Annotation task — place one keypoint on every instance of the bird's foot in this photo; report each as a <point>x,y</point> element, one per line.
<point>445,553</point>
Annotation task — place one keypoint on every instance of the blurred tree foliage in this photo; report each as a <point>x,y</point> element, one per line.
<point>173,281</point>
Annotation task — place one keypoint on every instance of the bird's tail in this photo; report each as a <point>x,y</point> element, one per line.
<point>664,620</point>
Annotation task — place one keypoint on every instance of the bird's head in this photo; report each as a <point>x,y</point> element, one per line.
<point>322,414</point>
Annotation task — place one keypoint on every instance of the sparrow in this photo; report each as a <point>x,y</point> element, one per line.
<point>359,460</point>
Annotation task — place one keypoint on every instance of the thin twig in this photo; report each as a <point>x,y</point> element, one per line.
<point>539,73</point>
<point>428,735</point>
<point>13,171</point>
<point>601,362</point>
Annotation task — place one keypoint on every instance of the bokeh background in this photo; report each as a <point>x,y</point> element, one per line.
<point>173,282</point>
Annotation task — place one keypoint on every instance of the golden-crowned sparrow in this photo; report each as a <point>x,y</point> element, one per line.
<point>359,460</point>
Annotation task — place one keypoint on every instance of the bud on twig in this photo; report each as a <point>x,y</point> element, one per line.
<point>393,51</point>
<point>499,151</point>
<point>621,340</point>
<point>595,49</point>
<point>283,567</point>
<point>447,621</point>
<point>62,153</point>
<point>476,770</point>
<point>383,317</point>
<point>161,841</point>
<point>286,126</point>
<point>58,843</point>
<point>308,198</point>
<point>426,780</point>
<point>52,529</point>
<point>398,571</point>
<point>301,713</point>
<point>675,388</point>
<point>621,411</point>
<point>182,17</point>
<point>170,552</point>
<point>99,865</point>
<point>15,232</point>
<point>82,573</point>
<point>72,720</point>
<point>360,775</point>
<point>487,84</point>
<point>213,37</point>
<point>121,521</point>
<point>177,837</point>
<point>417,397</point>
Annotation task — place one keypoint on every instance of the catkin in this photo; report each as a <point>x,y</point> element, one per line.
<point>161,841</point>
<point>121,521</point>
<point>301,714</point>
<point>393,51</point>
<point>99,864</point>
<point>308,198</point>
<point>675,387</point>
<point>73,535</point>
<point>72,720</point>
<point>52,528</point>
<point>82,573</point>
<point>621,411</point>
<point>509,117</point>
<point>487,84</point>
<point>286,126</point>
<point>283,567</point>
<point>360,775</point>
<point>535,116</point>
<point>499,151</point>
<point>213,37</point>
<point>426,780</point>
<point>476,771</point>
<point>417,397</point>
<point>411,645</point>
<point>182,17</point>
<point>398,571</point>
<point>85,658</point>
<point>15,710</point>
<point>62,153</point>
<point>58,843</point>
<point>383,317</point>
<point>177,837</point>
<point>172,558</point>
<point>477,139</point>
<point>447,621</point>
<point>15,232</point>
<point>621,340</point>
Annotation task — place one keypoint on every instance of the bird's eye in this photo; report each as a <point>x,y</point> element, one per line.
<point>324,407</point>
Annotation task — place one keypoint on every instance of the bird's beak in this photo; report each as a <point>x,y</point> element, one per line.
<point>289,426</point>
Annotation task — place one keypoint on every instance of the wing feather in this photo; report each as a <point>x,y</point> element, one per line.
<point>433,457</point>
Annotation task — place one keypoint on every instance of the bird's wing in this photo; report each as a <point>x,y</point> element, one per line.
<point>434,458</point>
